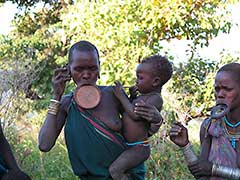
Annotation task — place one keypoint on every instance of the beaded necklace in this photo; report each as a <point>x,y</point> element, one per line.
<point>230,124</point>
<point>232,137</point>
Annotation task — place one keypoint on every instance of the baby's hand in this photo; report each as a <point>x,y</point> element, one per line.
<point>133,90</point>
<point>118,89</point>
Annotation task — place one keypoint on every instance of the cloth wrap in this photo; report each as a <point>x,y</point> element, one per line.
<point>92,146</point>
<point>221,150</point>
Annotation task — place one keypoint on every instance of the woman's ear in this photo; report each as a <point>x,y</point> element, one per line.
<point>68,69</point>
<point>98,75</point>
<point>156,82</point>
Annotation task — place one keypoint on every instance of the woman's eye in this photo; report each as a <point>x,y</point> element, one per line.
<point>93,68</point>
<point>78,69</point>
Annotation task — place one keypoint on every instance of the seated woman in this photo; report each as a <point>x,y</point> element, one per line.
<point>219,136</point>
<point>9,168</point>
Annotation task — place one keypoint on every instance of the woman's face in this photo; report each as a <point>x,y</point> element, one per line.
<point>227,90</point>
<point>84,67</point>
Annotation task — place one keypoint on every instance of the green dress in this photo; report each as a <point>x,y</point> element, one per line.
<point>92,147</point>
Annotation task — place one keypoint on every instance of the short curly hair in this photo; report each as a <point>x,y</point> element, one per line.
<point>233,68</point>
<point>82,46</point>
<point>161,67</point>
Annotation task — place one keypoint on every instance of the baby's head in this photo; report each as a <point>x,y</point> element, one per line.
<point>152,73</point>
<point>161,67</point>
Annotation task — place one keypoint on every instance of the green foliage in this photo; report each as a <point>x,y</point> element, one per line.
<point>192,88</point>
<point>124,32</point>
<point>167,162</point>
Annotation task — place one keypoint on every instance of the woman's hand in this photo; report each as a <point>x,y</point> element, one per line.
<point>148,112</point>
<point>201,168</point>
<point>179,134</point>
<point>60,77</point>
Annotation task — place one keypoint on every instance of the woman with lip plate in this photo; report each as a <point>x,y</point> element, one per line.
<point>219,135</point>
<point>92,136</point>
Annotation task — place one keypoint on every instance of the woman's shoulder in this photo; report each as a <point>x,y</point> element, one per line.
<point>105,88</point>
<point>205,126</point>
<point>206,122</point>
<point>66,101</point>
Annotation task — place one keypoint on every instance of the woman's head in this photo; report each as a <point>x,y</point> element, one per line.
<point>84,63</point>
<point>227,85</point>
<point>85,46</point>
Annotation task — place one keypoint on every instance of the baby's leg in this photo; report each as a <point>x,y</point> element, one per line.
<point>127,160</point>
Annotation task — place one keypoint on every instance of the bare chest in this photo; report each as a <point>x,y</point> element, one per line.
<point>108,111</point>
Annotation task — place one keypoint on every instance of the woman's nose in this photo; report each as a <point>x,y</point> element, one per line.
<point>86,75</point>
<point>220,95</point>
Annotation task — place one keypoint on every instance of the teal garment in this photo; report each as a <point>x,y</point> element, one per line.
<point>92,147</point>
<point>3,167</point>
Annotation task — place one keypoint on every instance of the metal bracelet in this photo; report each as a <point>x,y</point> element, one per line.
<point>53,107</point>
<point>189,154</point>
<point>226,172</point>
<point>55,101</point>
<point>53,111</point>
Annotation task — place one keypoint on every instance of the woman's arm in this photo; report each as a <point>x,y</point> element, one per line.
<point>202,167</point>
<point>57,112</point>
<point>52,126</point>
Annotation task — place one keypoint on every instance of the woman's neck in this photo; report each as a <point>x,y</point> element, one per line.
<point>234,115</point>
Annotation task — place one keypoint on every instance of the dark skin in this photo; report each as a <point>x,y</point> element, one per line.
<point>136,128</point>
<point>8,157</point>
<point>227,90</point>
<point>84,69</point>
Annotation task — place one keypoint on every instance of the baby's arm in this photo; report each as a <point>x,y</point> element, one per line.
<point>122,97</point>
